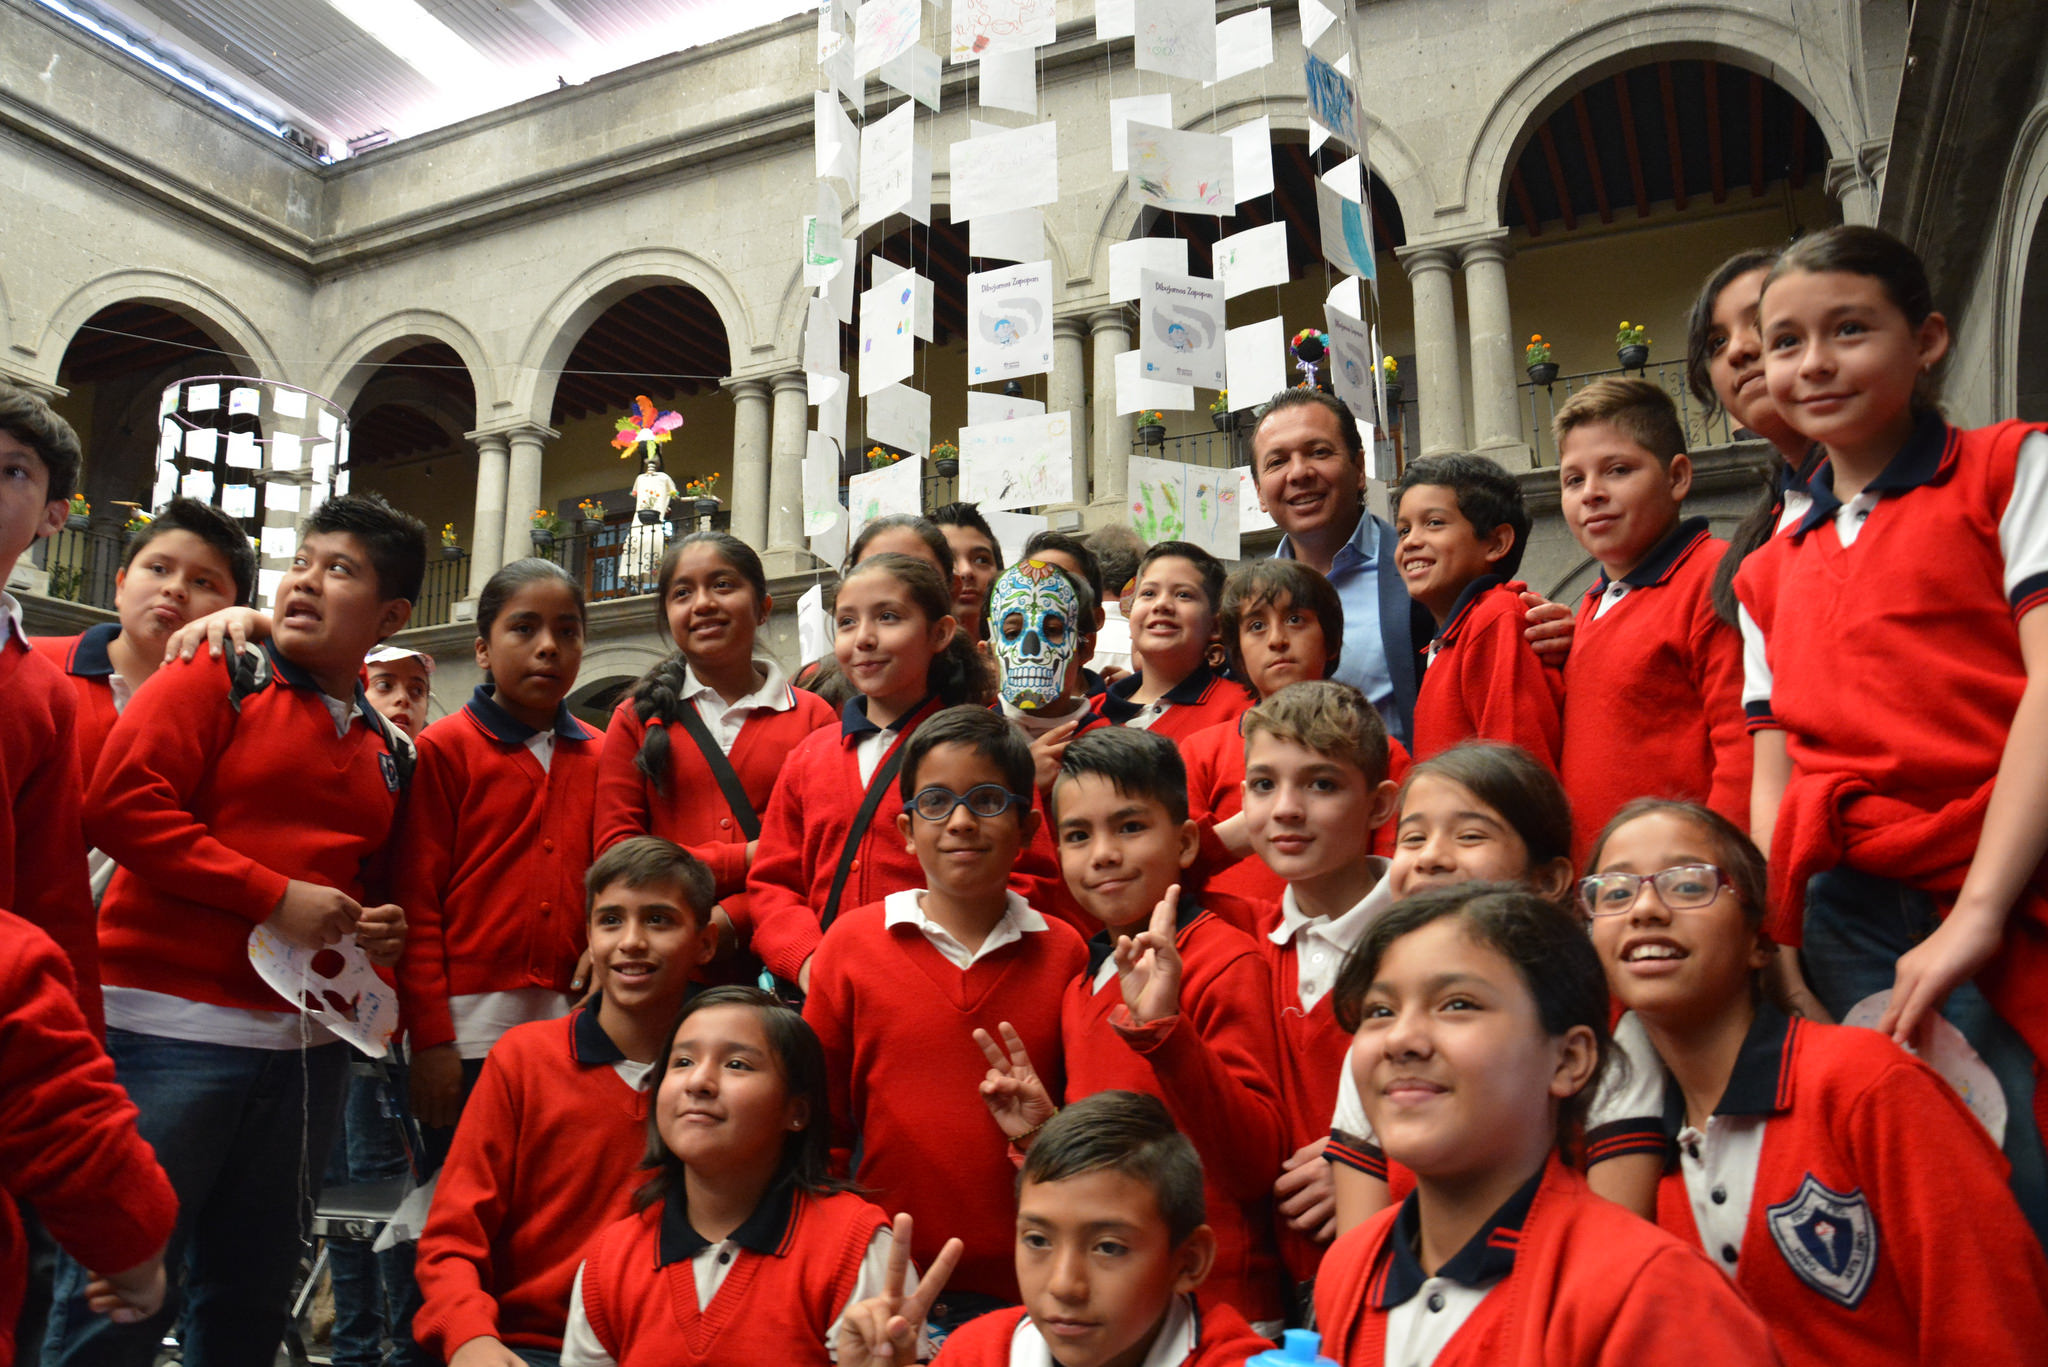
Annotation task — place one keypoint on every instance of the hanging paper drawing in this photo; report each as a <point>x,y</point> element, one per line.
<point>1027,462</point>
<point>1157,487</point>
<point>1174,501</point>
<point>1331,100</point>
<point>1180,171</point>
<point>1001,26</point>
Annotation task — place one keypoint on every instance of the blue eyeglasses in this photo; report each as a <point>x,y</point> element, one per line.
<point>984,800</point>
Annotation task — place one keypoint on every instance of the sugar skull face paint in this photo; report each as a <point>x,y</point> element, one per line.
<point>1033,609</point>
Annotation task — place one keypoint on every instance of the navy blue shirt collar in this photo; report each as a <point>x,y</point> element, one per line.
<point>89,656</point>
<point>1465,602</point>
<point>1101,944</point>
<point>764,1231</point>
<point>1760,1084</point>
<point>854,723</point>
<point>1117,704</point>
<point>1486,1257</point>
<point>292,675</point>
<point>502,725</point>
<point>1656,567</point>
<point>1921,461</point>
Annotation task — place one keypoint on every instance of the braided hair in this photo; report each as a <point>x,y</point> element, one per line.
<point>658,694</point>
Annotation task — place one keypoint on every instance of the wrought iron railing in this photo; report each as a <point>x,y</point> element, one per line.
<point>82,565</point>
<point>621,559</point>
<point>447,579</point>
<point>1539,404</point>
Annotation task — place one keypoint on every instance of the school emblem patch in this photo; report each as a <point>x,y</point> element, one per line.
<point>1829,1239</point>
<point>389,764</point>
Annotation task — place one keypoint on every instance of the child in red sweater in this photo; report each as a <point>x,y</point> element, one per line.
<point>1111,1254</point>
<point>544,1156</point>
<point>496,842</point>
<point>1462,527</point>
<point>1483,1028</point>
<point>202,799</point>
<point>1838,1180</point>
<point>741,1247</point>
<point>1653,686</point>
<point>68,1145</point>
<point>1173,624</point>
<point>42,848</point>
<point>692,752</point>
<point>188,562</point>
<point>400,684</point>
<point>1175,1003</point>
<point>901,985</point>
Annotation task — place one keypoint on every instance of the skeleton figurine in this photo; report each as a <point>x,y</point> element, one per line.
<point>1034,629</point>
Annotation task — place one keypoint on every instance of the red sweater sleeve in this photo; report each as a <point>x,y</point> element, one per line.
<point>422,870</point>
<point>784,925</point>
<point>1509,693</point>
<point>68,1142</point>
<point>1717,668</point>
<point>623,793</point>
<point>159,754</point>
<point>1674,1297</point>
<point>470,1205</point>
<point>47,862</point>
<point>828,1010</point>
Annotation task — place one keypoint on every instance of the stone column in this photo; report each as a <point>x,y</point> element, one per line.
<point>487,532</point>
<point>522,487</point>
<point>1068,391</point>
<point>749,461</point>
<point>1111,330</point>
<point>1851,181</point>
<point>786,552</point>
<point>1441,385</point>
<point>1496,402</point>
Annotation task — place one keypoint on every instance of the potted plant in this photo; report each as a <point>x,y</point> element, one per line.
<point>1219,411</point>
<point>589,515</point>
<point>1391,369</point>
<point>449,550</point>
<point>1536,356</point>
<point>1152,427</point>
<point>546,527</point>
<point>137,520</point>
<point>80,512</point>
<point>701,491</point>
<point>881,457</point>
<point>1632,345</point>
<point>946,459</point>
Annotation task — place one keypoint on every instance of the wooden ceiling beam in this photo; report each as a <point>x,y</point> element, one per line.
<point>1756,136</point>
<point>1671,138</point>
<point>1525,203</point>
<point>1584,119</point>
<point>1715,167</point>
<point>1628,138</point>
<point>1798,168</point>
<point>1557,181</point>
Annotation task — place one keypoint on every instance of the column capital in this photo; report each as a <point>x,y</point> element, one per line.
<point>756,388</point>
<point>1440,258</point>
<point>1492,246</point>
<point>1110,319</point>
<point>491,439</point>
<point>787,380</point>
<point>514,431</point>
<point>1071,325</point>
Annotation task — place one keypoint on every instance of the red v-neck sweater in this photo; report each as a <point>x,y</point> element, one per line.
<point>769,1309</point>
<point>1488,683</point>
<point>897,1020</point>
<point>42,845</point>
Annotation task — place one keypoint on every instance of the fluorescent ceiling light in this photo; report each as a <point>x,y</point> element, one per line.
<point>156,62</point>
<point>421,41</point>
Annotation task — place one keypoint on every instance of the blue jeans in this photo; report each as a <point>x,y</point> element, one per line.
<point>369,1287</point>
<point>1857,926</point>
<point>243,1135</point>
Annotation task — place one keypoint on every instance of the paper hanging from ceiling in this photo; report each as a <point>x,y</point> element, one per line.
<point>1180,329</point>
<point>901,417</point>
<point>1179,171</point>
<point>1009,323</point>
<point>1174,501</point>
<point>1251,159</point>
<point>881,268</point>
<point>1009,80</point>
<point>916,73</point>
<point>1344,295</point>
<point>1015,168</point>
<point>1351,365</point>
<point>1153,109</point>
<point>1252,259</point>
<point>1135,393</point>
<point>1255,362</point>
<point>824,249</point>
<point>838,143</point>
<point>1316,19</point>
<point>813,624</point>
<point>984,26</point>
<point>1244,43</point>
<point>1012,530</point>
<point>887,314</point>
<point>1346,239</point>
<point>1024,463</point>
<point>897,488</point>
<point>885,155</point>
<point>1176,38</point>
<point>821,483</point>
<point>1016,236</point>
<point>1115,19</point>
<point>1250,516</point>
<point>830,544</point>
<point>883,30</point>
<point>1168,255</point>
<point>1332,101</point>
<point>985,407</point>
<point>287,403</point>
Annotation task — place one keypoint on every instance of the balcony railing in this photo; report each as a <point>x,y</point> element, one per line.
<point>620,559</point>
<point>446,580</point>
<point>82,565</point>
<point>1540,404</point>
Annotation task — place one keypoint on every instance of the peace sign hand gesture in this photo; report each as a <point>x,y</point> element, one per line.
<point>1014,1093</point>
<point>1148,967</point>
<point>886,1328</point>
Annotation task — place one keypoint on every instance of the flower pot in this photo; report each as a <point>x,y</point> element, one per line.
<point>1543,373</point>
<point>1152,436</point>
<point>453,552</point>
<point>589,526</point>
<point>542,539</point>
<point>947,466</point>
<point>706,506</point>
<point>77,522</point>
<point>650,516</point>
<point>1224,419</point>
<point>1393,393</point>
<point>1633,357</point>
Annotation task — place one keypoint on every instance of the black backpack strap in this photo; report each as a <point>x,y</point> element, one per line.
<point>249,673</point>
<point>884,776</point>
<point>721,769</point>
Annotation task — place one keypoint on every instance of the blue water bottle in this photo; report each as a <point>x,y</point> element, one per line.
<point>1298,1348</point>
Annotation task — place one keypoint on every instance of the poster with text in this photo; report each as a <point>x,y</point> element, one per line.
<point>1009,326</point>
<point>1180,329</point>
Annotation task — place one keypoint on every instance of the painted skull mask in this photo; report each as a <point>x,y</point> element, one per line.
<point>1033,616</point>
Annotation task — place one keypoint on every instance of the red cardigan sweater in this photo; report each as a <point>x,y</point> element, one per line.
<point>1203,699</point>
<point>86,665</point>
<point>775,1305</point>
<point>1486,682</point>
<point>1865,1138</point>
<point>897,1021</point>
<point>1588,1285</point>
<point>1215,1065</point>
<point>546,1155</point>
<point>68,1143</point>
<point>491,861</point>
<point>693,812</point>
<point>1222,1339</point>
<point>1653,692</point>
<point>42,848</point>
<point>209,813</point>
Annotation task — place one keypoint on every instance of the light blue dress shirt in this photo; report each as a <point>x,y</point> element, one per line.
<point>1354,573</point>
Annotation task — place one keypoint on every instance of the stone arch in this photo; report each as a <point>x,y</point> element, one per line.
<point>231,329</point>
<point>2019,254</point>
<point>531,392</point>
<point>1738,37</point>
<point>357,359</point>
